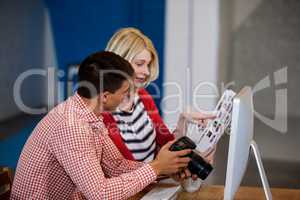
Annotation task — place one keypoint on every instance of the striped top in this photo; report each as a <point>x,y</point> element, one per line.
<point>137,131</point>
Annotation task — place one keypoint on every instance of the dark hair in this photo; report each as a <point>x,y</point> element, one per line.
<point>103,71</point>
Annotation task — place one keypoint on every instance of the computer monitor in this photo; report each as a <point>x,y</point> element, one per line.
<point>240,143</point>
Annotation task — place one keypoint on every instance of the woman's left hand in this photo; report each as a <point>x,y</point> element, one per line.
<point>185,117</point>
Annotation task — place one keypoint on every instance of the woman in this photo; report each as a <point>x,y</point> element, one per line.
<point>136,127</point>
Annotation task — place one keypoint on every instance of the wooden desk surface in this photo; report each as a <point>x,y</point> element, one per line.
<point>244,193</point>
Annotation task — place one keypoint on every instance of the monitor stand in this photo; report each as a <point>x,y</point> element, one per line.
<point>262,174</point>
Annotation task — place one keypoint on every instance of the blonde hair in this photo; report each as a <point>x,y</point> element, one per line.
<point>128,42</point>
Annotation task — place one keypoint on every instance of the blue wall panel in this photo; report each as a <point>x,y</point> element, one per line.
<point>151,22</point>
<point>83,27</point>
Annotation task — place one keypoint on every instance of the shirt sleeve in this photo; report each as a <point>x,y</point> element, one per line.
<point>113,162</point>
<point>75,149</point>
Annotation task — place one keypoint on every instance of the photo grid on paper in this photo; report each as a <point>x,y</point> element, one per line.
<point>206,137</point>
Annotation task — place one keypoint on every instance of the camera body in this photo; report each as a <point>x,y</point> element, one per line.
<point>197,165</point>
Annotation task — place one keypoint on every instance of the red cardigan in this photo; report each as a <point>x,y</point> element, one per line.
<point>163,134</point>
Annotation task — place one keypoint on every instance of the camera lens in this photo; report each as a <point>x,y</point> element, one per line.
<point>199,166</point>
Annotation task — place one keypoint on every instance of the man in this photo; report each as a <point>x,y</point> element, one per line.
<point>70,148</point>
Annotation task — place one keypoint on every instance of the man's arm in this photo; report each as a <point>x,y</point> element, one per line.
<point>75,149</point>
<point>113,162</point>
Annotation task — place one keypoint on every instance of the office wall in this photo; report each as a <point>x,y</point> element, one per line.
<point>265,38</point>
<point>263,42</point>
<point>81,28</point>
<point>239,42</point>
<point>26,43</point>
<point>191,62</point>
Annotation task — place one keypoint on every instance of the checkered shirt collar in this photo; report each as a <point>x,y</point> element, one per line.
<point>85,113</point>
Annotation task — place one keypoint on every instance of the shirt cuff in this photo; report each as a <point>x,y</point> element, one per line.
<point>148,173</point>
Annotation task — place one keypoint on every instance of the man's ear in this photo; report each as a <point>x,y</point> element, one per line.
<point>104,97</point>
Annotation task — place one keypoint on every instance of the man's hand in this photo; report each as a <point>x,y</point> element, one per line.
<point>170,162</point>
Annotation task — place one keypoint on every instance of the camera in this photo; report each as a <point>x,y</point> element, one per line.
<point>197,165</point>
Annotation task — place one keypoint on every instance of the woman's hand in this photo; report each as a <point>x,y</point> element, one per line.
<point>197,116</point>
<point>185,117</point>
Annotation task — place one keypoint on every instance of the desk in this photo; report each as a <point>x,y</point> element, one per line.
<point>244,193</point>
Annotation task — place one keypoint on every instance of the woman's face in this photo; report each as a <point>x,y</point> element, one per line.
<point>140,64</point>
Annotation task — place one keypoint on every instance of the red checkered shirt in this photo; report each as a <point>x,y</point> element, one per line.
<point>69,151</point>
